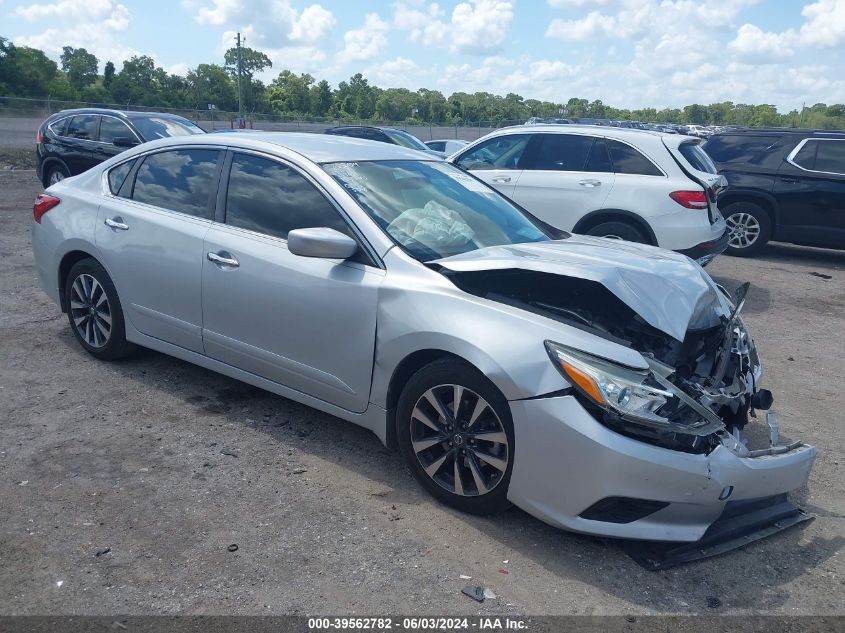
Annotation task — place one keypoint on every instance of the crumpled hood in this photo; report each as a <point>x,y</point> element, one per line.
<point>668,290</point>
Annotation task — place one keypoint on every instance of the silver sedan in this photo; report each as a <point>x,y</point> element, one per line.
<point>600,385</point>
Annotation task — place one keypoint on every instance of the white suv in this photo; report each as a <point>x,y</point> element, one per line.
<point>635,185</point>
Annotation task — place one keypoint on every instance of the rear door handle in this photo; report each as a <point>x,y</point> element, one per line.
<point>223,259</point>
<point>116,223</point>
<point>500,179</point>
<point>787,179</point>
<point>590,183</point>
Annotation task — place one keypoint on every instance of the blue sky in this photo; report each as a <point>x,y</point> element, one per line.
<point>628,53</point>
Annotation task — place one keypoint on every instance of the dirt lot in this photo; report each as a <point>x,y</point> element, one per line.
<point>165,465</point>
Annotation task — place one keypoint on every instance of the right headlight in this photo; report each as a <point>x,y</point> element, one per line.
<point>630,393</point>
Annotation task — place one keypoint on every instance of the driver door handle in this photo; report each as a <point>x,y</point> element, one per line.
<point>500,179</point>
<point>590,183</point>
<point>116,223</point>
<point>223,259</point>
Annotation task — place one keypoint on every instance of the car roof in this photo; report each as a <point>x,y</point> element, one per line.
<point>620,133</point>
<point>123,114</point>
<point>318,148</point>
<point>365,127</point>
<point>768,131</point>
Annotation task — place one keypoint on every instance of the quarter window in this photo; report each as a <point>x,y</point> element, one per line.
<point>271,198</point>
<point>118,174</point>
<point>83,127</point>
<point>58,127</point>
<point>111,128</point>
<point>806,156</point>
<point>831,157</point>
<point>627,160</point>
<point>180,180</point>
<point>502,152</point>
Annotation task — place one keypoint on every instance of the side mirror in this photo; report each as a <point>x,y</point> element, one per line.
<point>321,242</point>
<point>124,141</point>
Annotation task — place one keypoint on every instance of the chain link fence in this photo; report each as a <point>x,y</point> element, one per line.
<point>39,109</point>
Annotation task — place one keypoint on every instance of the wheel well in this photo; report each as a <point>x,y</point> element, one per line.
<point>65,265</point>
<point>761,201</point>
<point>598,217</point>
<point>409,365</point>
<point>48,163</point>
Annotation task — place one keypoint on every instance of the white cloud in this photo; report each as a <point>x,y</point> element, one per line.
<point>96,25</point>
<point>825,25</point>
<point>594,25</point>
<point>396,73</point>
<point>366,42</point>
<point>474,27</point>
<point>313,24</point>
<point>752,43</point>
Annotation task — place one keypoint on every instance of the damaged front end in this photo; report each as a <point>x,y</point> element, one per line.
<point>694,394</point>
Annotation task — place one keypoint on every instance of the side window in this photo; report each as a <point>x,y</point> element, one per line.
<point>740,148</point>
<point>271,198</point>
<point>83,127</point>
<point>58,127</point>
<point>181,180</point>
<point>599,160</point>
<point>118,174</point>
<point>111,128</point>
<point>806,156</point>
<point>831,157</point>
<point>438,146</point>
<point>627,160</point>
<point>563,152</point>
<point>502,152</point>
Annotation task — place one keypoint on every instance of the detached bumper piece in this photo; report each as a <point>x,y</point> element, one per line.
<point>741,522</point>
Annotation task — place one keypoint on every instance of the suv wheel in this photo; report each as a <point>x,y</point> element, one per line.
<point>749,228</point>
<point>455,431</point>
<point>55,173</point>
<point>619,231</point>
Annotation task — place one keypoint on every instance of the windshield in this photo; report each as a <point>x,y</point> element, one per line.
<point>433,209</point>
<point>159,127</point>
<point>405,140</point>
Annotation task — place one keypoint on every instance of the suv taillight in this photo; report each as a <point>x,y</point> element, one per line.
<point>43,203</point>
<point>38,137</point>
<point>690,199</point>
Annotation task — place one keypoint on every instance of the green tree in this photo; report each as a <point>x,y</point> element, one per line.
<point>80,65</point>
<point>139,81</point>
<point>26,72</point>
<point>252,62</point>
<point>321,98</point>
<point>290,93</point>
<point>108,75</point>
<point>210,83</point>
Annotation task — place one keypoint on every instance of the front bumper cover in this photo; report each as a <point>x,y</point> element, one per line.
<point>565,462</point>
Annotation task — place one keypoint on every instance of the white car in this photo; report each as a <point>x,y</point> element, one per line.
<point>635,185</point>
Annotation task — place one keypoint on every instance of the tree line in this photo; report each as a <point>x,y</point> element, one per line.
<point>28,72</point>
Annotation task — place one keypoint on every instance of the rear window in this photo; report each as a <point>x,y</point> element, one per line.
<point>83,127</point>
<point>627,160</point>
<point>180,180</point>
<point>831,157</point>
<point>562,152</point>
<point>740,148</point>
<point>697,157</point>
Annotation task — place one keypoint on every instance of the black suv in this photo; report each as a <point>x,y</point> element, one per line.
<point>783,184</point>
<point>384,135</point>
<point>71,141</point>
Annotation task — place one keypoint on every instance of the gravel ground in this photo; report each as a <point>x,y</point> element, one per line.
<point>124,486</point>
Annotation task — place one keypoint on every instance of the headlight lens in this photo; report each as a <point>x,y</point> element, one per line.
<point>628,392</point>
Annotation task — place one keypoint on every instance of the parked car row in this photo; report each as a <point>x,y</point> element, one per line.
<point>640,182</point>
<point>397,291</point>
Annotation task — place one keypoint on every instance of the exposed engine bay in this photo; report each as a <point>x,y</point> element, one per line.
<point>708,380</point>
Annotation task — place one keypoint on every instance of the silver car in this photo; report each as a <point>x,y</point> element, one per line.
<point>600,385</point>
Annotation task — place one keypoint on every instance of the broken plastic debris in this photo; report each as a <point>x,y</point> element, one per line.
<point>488,593</point>
<point>102,552</point>
<point>464,577</point>
<point>59,583</point>
<point>24,482</point>
<point>504,571</point>
<point>229,452</point>
<point>299,471</point>
<point>476,593</point>
<point>233,547</point>
<point>506,561</point>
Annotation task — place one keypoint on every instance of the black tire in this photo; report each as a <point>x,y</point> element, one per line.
<point>619,230</point>
<point>735,216</point>
<point>87,311</point>
<point>54,170</point>
<point>440,375</point>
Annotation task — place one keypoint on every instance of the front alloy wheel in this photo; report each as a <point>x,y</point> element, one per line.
<point>459,440</point>
<point>455,430</point>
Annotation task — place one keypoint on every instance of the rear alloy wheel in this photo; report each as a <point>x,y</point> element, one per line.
<point>55,173</point>
<point>749,228</point>
<point>94,311</point>
<point>455,430</point>
<point>619,231</point>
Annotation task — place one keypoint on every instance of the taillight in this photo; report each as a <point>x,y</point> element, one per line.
<point>690,199</point>
<point>38,137</point>
<point>43,203</point>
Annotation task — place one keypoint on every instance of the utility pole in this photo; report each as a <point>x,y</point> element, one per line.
<point>240,94</point>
